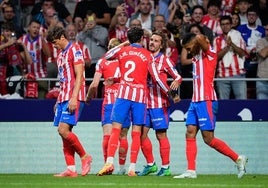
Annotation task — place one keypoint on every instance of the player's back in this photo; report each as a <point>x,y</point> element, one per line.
<point>133,63</point>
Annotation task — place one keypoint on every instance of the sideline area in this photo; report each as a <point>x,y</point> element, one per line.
<point>35,148</point>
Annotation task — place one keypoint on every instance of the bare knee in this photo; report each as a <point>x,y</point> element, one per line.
<point>191,131</point>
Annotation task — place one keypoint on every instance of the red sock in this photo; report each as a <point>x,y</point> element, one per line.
<point>105,141</point>
<point>191,151</point>
<point>135,146</point>
<point>74,141</point>
<point>223,148</point>
<point>122,152</point>
<point>147,150</point>
<point>68,152</point>
<point>113,142</point>
<point>164,150</point>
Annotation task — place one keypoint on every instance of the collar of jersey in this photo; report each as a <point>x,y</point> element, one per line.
<point>136,45</point>
<point>66,48</point>
<point>158,55</point>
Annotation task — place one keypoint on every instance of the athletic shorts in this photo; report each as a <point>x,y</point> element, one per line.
<point>63,115</point>
<point>122,109</point>
<point>202,114</point>
<point>107,114</point>
<point>157,118</point>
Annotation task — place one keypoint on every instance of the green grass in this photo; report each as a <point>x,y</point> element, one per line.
<point>114,181</point>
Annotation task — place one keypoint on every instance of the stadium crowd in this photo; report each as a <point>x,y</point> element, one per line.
<point>96,22</point>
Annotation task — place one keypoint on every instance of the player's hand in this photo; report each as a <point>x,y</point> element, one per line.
<point>91,94</point>
<point>173,94</point>
<point>72,105</point>
<point>175,84</point>
<point>108,82</point>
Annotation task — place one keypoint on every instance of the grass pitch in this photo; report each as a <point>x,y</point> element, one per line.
<point>115,181</point>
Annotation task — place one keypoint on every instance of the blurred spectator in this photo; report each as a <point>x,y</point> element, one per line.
<point>227,7</point>
<point>95,37</point>
<point>171,51</point>
<point>235,20</point>
<point>9,16</point>
<point>37,45</point>
<point>211,19</point>
<point>231,51</point>
<point>51,19</point>
<point>39,9</point>
<point>146,34</point>
<point>131,6</point>
<point>263,9</point>
<point>112,4</point>
<point>175,25</point>
<point>197,17</point>
<point>251,32</point>
<point>243,6</point>
<point>13,56</point>
<point>79,24</point>
<point>163,8</point>
<point>118,28</point>
<point>99,7</point>
<point>144,14</point>
<point>71,33</point>
<point>262,71</point>
<point>26,8</point>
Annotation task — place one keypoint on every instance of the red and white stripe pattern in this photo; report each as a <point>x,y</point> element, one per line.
<point>157,98</point>
<point>109,69</point>
<point>66,61</point>
<point>204,66</point>
<point>213,24</point>
<point>38,66</point>
<point>234,68</point>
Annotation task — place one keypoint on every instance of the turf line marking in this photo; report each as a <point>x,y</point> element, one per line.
<point>133,184</point>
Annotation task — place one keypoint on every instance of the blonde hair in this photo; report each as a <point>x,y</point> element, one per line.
<point>113,43</point>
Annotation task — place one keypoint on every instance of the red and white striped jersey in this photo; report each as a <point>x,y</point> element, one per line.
<point>157,98</point>
<point>38,66</point>
<point>213,24</point>
<point>228,67</point>
<point>109,69</point>
<point>118,33</point>
<point>228,6</point>
<point>54,52</point>
<point>85,50</point>
<point>134,63</point>
<point>204,66</point>
<point>67,60</point>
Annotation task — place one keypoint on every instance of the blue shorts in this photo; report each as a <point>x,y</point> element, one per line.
<point>122,109</point>
<point>107,114</point>
<point>63,115</point>
<point>157,118</point>
<point>202,114</point>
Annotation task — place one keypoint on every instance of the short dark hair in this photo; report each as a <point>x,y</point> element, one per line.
<point>216,3</point>
<point>134,35</point>
<point>8,26</point>
<point>226,17</point>
<point>56,33</point>
<point>253,8</point>
<point>195,25</point>
<point>187,38</point>
<point>34,21</point>
<point>198,7</point>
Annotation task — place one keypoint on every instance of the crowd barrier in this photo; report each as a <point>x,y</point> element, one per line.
<point>42,110</point>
